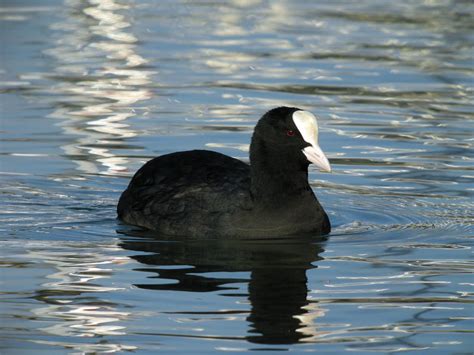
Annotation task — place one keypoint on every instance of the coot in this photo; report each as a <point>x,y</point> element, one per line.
<point>201,193</point>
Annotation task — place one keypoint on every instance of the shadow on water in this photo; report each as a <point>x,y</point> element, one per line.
<point>277,288</point>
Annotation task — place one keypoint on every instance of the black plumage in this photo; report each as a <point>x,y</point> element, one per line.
<point>202,193</point>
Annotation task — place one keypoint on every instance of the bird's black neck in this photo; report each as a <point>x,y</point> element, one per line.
<point>277,177</point>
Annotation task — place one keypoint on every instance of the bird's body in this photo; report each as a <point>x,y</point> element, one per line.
<point>201,193</point>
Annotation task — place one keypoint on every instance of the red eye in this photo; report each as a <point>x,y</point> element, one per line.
<point>290,133</point>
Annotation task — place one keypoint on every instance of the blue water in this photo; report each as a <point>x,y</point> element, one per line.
<point>90,90</point>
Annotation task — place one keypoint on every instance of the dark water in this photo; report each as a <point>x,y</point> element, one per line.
<point>92,89</point>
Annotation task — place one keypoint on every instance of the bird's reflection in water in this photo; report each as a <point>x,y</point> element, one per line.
<point>277,289</point>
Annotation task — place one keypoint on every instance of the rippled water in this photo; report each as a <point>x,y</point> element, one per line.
<point>92,89</point>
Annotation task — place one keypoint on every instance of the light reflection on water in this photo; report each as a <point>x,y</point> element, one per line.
<point>92,89</point>
<point>96,99</point>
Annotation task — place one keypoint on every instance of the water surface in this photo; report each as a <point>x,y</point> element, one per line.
<point>90,90</point>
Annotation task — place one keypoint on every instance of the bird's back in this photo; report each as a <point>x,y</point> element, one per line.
<point>186,193</point>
